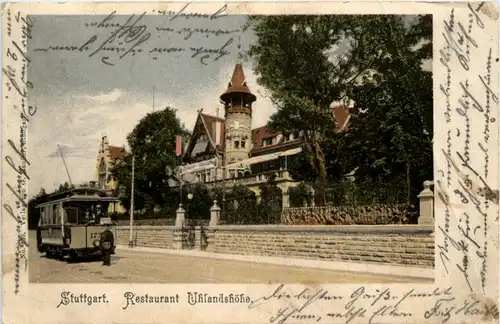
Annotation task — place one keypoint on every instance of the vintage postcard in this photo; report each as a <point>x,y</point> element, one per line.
<point>330,162</point>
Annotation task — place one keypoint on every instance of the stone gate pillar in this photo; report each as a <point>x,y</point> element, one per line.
<point>426,197</point>
<point>179,233</point>
<point>214,214</point>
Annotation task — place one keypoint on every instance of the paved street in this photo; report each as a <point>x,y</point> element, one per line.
<point>147,267</point>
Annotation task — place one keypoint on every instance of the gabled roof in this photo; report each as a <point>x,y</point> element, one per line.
<point>116,151</point>
<point>341,114</point>
<point>259,134</point>
<point>209,121</point>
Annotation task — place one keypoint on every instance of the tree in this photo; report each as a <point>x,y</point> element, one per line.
<point>65,187</point>
<point>34,213</point>
<point>270,206</point>
<point>198,207</point>
<point>152,143</point>
<point>308,62</point>
<point>241,205</point>
<point>391,127</point>
<point>300,196</point>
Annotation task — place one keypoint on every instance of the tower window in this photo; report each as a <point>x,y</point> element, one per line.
<point>236,144</point>
<point>242,144</point>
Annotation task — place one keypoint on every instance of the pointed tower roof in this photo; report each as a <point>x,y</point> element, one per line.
<point>237,85</point>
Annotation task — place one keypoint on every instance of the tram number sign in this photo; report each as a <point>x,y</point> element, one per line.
<point>95,235</point>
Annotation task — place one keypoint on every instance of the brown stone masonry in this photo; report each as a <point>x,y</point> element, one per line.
<point>147,236</point>
<point>410,245</point>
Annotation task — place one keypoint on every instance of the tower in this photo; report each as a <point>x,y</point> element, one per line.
<point>237,102</point>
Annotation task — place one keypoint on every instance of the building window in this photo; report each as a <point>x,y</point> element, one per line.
<point>268,141</point>
<point>102,173</point>
<point>236,144</point>
<point>242,144</point>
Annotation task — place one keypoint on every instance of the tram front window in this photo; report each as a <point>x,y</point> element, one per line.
<point>77,215</point>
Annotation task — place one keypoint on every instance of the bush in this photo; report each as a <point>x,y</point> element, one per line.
<point>300,196</point>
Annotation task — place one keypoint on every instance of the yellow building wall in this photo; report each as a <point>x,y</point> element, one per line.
<point>109,183</point>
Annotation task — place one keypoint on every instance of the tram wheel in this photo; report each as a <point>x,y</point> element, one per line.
<point>71,258</point>
<point>48,254</point>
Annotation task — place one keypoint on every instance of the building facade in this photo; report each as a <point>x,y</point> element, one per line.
<point>103,177</point>
<point>228,150</point>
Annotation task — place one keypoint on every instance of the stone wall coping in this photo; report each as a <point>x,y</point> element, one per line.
<point>369,229</point>
<point>146,227</point>
<point>374,229</point>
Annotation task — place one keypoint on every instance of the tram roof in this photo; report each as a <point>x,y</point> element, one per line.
<point>78,198</point>
<point>80,191</point>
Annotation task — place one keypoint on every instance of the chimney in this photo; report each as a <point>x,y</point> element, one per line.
<point>216,131</point>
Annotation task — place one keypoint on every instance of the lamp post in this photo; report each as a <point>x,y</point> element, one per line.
<point>180,187</point>
<point>131,232</point>
<point>224,209</point>
<point>190,199</point>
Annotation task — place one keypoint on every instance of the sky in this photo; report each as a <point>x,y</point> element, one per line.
<point>79,98</point>
<point>83,90</point>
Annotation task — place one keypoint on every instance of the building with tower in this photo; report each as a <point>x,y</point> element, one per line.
<point>228,150</point>
<point>237,101</point>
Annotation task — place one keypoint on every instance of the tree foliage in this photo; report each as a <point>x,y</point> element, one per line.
<point>270,205</point>
<point>308,62</point>
<point>300,196</point>
<point>152,143</point>
<point>198,207</point>
<point>64,187</point>
<point>241,204</point>
<point>34,213</point>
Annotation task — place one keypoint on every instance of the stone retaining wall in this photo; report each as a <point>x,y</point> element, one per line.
<point>410,245</point>
<point>164,237</point>
<point>147,236</point>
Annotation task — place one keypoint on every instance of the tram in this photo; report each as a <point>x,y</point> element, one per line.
<point>72,221</point>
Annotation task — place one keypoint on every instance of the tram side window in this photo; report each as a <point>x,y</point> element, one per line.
<point>55,214</point>
<point>46,215</point>
<point>42,216</point>
<point>71,215</point>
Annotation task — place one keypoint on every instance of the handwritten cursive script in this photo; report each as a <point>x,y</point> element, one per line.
<point>18,86</point>
<point>120,37</point>
<point>464,188</point>
<point>363,304</point>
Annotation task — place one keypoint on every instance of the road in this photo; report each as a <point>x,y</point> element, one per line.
<point>148,267</point>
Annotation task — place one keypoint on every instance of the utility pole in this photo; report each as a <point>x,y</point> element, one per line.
<point>221,163</point>
<point>180,184</point>
<point>153,99</point>
<point>131,233</point>
<point>60,151</point>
